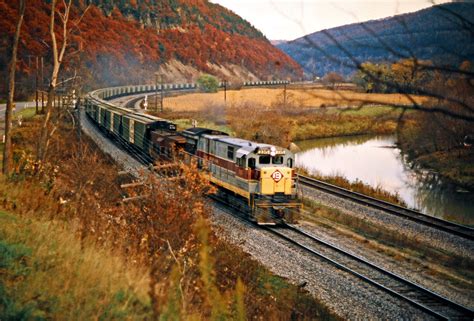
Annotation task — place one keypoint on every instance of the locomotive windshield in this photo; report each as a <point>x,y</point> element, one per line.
<point>264,159</point>
<point>267,159</point>
<point>277,160</point>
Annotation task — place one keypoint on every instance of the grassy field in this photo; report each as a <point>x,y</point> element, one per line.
<point>47,274</point>
<point>261,114</point>
<point>26,113</point>
<point>271,98</point>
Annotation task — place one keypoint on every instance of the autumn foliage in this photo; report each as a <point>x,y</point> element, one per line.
<point>112,45</point>
<point>190,272</point>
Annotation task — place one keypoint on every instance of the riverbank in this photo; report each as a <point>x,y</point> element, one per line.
<point>455,166</point>
<point>440,151</point>
<point>356,186</point>
<point>283,126</point>
<point>378,162</point>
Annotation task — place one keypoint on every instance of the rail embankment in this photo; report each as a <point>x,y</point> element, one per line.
<point>67,225</point>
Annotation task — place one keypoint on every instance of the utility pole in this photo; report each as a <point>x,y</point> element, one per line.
<point>36,84</point>
<point>225,91</point>
<point>76,105</point>
<point>284,95</point>
<point>42,85</point>
<point>42,101</point>
<point>156,91</point>
<point>161,86</point>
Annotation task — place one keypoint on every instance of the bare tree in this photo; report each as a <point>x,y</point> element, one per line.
<point>58,55</point>
<point>332,78</point>
<point>7,152</point>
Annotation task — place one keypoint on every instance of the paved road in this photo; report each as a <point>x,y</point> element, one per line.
<point>19,106</point>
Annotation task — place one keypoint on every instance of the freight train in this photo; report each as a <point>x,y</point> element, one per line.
<point>258,178</point>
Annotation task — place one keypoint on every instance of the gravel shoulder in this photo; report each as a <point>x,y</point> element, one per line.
<point>440,280</point>
<point>342,292</point>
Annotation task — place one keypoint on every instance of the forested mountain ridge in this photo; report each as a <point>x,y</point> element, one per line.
<point>168,14</point>
<point>442,33</point>
<point>123,42</point>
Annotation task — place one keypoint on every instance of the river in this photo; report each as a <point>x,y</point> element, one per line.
<point>377,161</point>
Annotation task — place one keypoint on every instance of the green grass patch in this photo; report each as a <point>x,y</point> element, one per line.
<point>367,111</point>
<point>187,123</point>
<point>46,275</point>
<point>26,113</point>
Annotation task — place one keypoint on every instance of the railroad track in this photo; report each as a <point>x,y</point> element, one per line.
<point>395,285</point>
<point>447,226</point>
<point>420,297</point>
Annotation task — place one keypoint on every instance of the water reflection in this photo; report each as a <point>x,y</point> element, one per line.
<point>378,162</point>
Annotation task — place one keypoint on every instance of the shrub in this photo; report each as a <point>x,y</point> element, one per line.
<point>208,83</point>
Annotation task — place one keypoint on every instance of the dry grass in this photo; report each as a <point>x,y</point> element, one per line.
<point>79,188</point>
<point>380,237</point>
<point>357,186</point>
<point>270,97</point>
<point>261,114</point>
<point>54,275</point>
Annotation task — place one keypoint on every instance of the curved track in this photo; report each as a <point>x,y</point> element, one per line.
<point>383,279</point>
<point>393,284</point>
<point>447,226</point>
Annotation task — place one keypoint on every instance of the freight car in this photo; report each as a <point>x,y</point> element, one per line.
<point>258,178</point>
<point>129,127</point>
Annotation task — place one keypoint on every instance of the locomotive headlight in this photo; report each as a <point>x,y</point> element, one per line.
<point>273,151</point>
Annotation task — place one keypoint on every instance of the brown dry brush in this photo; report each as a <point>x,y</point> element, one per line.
<point>164,223</point>
<point>192,274</point>
<point>270,126</point>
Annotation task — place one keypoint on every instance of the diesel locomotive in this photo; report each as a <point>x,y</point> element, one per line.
<point>258,178</point>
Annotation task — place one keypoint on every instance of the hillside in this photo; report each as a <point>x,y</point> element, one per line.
<point>443,34</point>
<point>119,42</point>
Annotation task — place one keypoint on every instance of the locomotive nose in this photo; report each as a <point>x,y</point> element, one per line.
<point>275,180</point>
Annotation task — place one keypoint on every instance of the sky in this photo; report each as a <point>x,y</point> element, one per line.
<point>291,19</point>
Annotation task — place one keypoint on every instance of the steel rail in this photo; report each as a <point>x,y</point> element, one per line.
<point>415,294</point>
<point>457,311</point>
<point>435,222</point>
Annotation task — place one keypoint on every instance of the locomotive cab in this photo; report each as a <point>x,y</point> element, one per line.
<point>275,189</point>
<point>260,173</point>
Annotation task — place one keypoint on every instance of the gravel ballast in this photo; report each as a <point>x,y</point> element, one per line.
<point>421,234</point>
